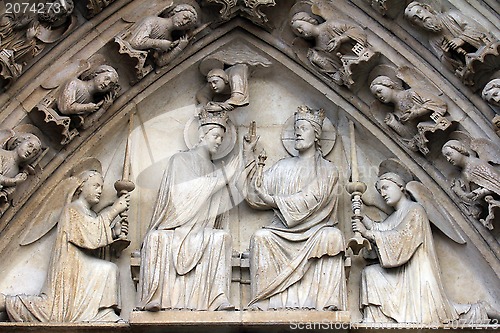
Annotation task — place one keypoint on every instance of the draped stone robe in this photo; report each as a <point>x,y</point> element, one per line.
<point>80,287</point>
<point>406,286</point>
<point>297,261</point>
<point>185,257</point>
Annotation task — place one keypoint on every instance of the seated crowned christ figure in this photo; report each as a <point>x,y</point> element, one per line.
<point>186,254</point>
<point>297,262</point>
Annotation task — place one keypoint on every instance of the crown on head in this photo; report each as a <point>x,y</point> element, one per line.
<point>213,118</point>
<point>306,113</point>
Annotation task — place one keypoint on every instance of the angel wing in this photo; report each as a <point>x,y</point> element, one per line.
<point>47,217</point>
<point>5,135</point>
<point>416,80</point>
<point>437,214</point>
<point>237,53</point>
<point>326,10</point>
<point>483,174</point>
<point>71,70</point>
<point>486,149</point>
<point>148,8</point>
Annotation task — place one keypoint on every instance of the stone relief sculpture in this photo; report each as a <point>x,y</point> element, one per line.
<point>405,286</point>
<point>79,286</point>
<point>94,7</point>
<point>479,183</point>
<point>417,112</point>
<point>80,102</point>
<point>186,254</point>
<point>252,9</point>
<point>296,262</point>
<point>341,50</point>
<point>19,151</point>
<point>389,8</point>
<point>152,38</point>
<point>227,72</point>
<point>461,44</point>
<point>491,94</point>
<point>24,36</point>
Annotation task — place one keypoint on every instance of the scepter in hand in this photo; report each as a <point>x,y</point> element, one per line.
<point>122,187</point>
<point>356,189</point>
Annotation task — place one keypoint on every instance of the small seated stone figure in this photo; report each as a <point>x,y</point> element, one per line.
<point>78,104</point>
<point>406,285</point>
<point>154,37</point>
<point>230,86</point>
<point>416,112</point>
<point>479,182</point>
<point>78,96</point>
<point>79,286</point>
<point>459,42</point>
<point>338,44</point>
<point>15,156</point>
<point>297,261</point>
<point>186,254</point>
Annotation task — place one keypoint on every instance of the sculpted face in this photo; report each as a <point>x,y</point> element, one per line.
<point>92,189</point>
<point>303,29</point>
<point>183,19</point>
<point>453,156</point>
<point>217,84</point>
<point>304,135</point>
<point>28,149</point>
<point>422,17</point>
<point>104,81</point>
<point>390,191</point>
<point>213,139</point>
<point>382,93</point>
<point>492,95</point>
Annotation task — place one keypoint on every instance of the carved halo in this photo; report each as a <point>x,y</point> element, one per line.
<point>191,137</point>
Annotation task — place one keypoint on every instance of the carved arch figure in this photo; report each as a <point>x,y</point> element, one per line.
<point>79,287</point>
<point>406,285</point>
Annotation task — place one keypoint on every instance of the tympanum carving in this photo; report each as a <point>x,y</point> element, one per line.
<point>228,72</point>
<point>79,286</point>
<point>186,254</point>
<point>405,286</point>
<point>297,261</point>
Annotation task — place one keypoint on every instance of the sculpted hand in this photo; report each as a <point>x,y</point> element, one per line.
<point>183,42</point>
<point>268,199</point>
<point>455,43</point>
<point>122,203</point>
<point>406,116</point>
<point>20,178</point>
<point>333,45</point>
<point>93,107</point>
<point>213,107</point>
<point>358,226</point>
<point>249,143</point>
